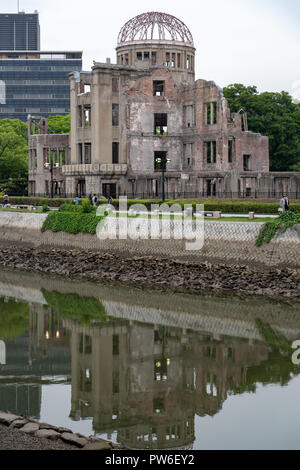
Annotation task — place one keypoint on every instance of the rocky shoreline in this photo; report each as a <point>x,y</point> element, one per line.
<point>21,433</point>
<point>154,271</point>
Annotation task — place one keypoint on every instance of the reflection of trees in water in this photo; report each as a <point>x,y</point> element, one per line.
<point>14,318</point>
<point>85,309</point>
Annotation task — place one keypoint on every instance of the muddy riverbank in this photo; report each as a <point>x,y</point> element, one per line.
<point>154,271</point>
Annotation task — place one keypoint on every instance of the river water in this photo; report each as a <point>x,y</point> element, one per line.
<point>150,369</point>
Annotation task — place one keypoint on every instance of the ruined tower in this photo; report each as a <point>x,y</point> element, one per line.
<point>155,39</point>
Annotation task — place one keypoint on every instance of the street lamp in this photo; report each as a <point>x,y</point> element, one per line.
<point>161,165</point>
<point>51,166</point>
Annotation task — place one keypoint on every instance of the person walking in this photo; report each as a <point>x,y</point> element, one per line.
<point>284,203</point>
<point>95,200</point>
<point>5,199</point>
<point>76,201</point>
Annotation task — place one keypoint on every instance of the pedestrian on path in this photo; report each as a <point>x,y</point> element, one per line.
<point>284,203</point>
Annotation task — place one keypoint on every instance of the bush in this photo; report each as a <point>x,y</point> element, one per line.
<point>279,225</point>
<point>84,208</point>
<point>71,222</point>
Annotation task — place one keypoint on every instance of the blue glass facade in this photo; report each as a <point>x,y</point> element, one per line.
<point>19,31</point>
<point>36,86</point>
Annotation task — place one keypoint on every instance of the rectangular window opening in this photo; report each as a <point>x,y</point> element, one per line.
<point>79,110</point>
<point>87,116</point>
<point>178,61</point>
<point>247,162</point>
<point>173,64</point>
<point>115,153</point>
<point>211,152</point>
<point>160,161</point>
<point>160,124</point>
<point>158,88</point>
<point>115,115</point>
<point>167,64</point>
<point>87,153</point>
<point>230,150</point>
<point>115,85</point>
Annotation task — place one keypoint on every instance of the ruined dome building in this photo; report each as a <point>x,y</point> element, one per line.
<point>146,113</point>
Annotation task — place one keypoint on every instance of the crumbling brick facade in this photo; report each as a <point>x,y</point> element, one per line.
<point>145,121</point>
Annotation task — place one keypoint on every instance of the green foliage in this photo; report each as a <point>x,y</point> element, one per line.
<point>286,220</point>
<point>241,207</point>
<point>223,205</point>
<point>84,309</point>
<point>271,338</point>
<point>71,222</point>
<point>37,201</point>
<point>84,208</point>
<point>59,124</point>
<point>13,154</point>
<point>14,319</point>
<point>274,115</point>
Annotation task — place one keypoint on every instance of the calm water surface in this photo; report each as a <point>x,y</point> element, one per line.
<point>150,369</point>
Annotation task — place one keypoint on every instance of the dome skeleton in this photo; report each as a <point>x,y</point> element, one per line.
<point>138,29</point>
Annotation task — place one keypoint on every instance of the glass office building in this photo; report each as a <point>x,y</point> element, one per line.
<point>19,31</point>
<point>36,82</point>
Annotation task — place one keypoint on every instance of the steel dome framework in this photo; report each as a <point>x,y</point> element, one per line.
<point>155,26</point>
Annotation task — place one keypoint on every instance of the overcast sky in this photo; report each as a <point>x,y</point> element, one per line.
<point>254,42</point>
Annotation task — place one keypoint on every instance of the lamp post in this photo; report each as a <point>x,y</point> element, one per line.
<point>162,162</point>
<point>51,167</point>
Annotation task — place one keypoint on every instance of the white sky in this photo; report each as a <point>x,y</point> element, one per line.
<point>254,42</point>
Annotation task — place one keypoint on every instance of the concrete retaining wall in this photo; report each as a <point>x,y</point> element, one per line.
<point>224,242</point>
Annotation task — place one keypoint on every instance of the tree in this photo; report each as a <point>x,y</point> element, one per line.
<point>13,152</point>
<point>59,124</point>
<point>274,115</point>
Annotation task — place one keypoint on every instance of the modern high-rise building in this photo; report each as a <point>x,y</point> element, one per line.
<point>19,31</point>
<point>32,81</point>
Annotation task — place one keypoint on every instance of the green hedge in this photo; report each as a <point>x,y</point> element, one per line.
<point>71,222</point>
<point>37,201</point>
<point>225,206</point>
<point>242,207</point>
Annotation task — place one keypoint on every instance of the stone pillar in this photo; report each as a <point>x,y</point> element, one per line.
<point>70,186</point>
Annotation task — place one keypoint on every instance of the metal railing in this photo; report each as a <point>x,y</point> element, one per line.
<point>274,195</point>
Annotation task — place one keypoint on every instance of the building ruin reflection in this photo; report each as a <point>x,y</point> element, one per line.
<point>141,382</point>
<point>147,382</point>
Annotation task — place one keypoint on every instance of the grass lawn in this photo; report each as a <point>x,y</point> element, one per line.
<point>2,209</point>
<point>176,217</point>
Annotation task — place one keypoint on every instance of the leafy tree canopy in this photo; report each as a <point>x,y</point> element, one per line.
<point>274,115</point>
<point>13,150</point>
<point>59,124</point>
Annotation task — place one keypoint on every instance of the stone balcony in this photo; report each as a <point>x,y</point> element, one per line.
<point>95,169</point>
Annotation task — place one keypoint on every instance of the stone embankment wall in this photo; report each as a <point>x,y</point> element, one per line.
<point>224,242</point>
